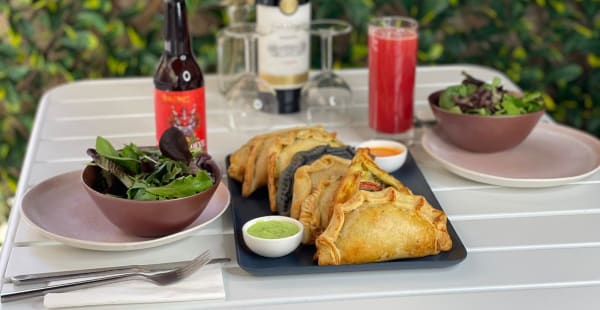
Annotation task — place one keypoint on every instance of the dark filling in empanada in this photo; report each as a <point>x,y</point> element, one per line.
<point>285,183</point>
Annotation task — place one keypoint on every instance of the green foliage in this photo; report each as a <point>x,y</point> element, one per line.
<point>546,45</point>
<point>47,43</point>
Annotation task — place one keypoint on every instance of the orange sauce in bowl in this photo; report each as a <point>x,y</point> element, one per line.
<point>384,151</point>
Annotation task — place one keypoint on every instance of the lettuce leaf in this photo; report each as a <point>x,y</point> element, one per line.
<point>149,175</point>
<point>182,187</point>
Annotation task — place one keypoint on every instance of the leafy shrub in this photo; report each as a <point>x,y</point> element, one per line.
<point>546,45</point>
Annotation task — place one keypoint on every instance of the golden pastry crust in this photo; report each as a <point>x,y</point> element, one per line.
<point>248,164</point>
<point>363,170</point>
<point>315,209</point>
<point>307,178</point>
<point>381,226</point>
<point>250,180</point>
<point>238,160</point>
<point>284,148</point>
<point>256,170</point>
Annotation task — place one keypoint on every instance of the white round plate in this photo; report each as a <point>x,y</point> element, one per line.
<point>61,210</point>
<point>551,155</point>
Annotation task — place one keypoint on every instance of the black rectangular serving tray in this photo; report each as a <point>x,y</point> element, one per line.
<point>301,260</point>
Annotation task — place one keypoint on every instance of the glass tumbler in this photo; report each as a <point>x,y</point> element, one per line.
<point>393,44</point>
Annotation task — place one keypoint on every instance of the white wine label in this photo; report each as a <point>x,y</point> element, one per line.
<point>283,45</point>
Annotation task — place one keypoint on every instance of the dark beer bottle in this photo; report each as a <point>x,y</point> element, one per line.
<point>179,99</point>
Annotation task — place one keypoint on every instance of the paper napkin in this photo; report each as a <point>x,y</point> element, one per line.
<point>206,283</point>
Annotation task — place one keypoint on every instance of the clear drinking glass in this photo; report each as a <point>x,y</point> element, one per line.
<point>230,50</point>
<point>250,96</point>
<point>393,44</point>
<point>325,97</point>
<point>230,60</point>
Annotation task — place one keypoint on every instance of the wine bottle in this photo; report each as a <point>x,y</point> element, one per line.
<point>179,99</point>
<point>283,48</point>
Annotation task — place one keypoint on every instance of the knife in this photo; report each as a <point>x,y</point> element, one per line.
<point>95,272</point>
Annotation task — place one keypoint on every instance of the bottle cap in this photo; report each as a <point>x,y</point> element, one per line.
<point>289,101</point>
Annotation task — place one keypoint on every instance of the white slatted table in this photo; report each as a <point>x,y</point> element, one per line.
<point>527,248</point>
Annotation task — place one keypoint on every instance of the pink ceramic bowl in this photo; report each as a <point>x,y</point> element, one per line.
<point>482,134</point>
<point>150,218</point>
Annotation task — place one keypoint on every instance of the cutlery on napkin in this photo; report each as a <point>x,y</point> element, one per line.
<point>204,284</point>
<point>23,279</point>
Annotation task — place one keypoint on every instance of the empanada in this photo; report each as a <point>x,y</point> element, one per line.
<point>315,209</point>
<point>364,174</point>
<point>255,174</point>
<point>329,157</point>
<point>284,148</point>
<point>239,159</point>
<point>248,164</point>
<point>380,226</point>
<point>307,178</point>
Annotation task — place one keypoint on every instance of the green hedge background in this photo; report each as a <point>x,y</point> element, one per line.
<point>547,45</point>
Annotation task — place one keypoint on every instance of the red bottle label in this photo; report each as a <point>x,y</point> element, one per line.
<point>184,110</point>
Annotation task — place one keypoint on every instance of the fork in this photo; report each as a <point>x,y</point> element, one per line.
<point>160,277</point>
<point>26,279</point>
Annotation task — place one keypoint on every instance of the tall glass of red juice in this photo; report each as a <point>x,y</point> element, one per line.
<point>393,45</point>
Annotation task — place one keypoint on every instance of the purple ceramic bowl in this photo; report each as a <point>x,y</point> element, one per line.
<point>150,218</point>
<point>482,134</point>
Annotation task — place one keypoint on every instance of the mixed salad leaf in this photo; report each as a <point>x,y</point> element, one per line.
<point>172,171</point>
<point>474,96</point>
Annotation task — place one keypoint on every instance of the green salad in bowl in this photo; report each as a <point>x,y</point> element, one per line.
<point>148,173</point>
<point>474,96</point>
<point>150,191</point>
<point>484,117</point>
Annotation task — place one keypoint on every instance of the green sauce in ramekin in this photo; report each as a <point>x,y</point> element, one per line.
<point>273,229</point>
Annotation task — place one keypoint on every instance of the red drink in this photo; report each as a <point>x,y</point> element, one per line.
<point>392,65</point>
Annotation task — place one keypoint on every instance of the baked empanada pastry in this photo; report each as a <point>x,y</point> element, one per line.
<point>285,147</point>
<point>315,210</point>
<point>255,173</point>
<point>320,158</point>
<point>248,164</point>
<point>381,226</point>
<point>239,159</point>
<point>364,174</point>
<point>307,178</point>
